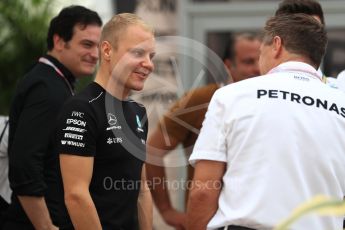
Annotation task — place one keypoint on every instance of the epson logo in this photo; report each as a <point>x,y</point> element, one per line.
<point>76,122</point>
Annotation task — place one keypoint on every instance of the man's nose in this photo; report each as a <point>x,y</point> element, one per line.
<point>148,63</point>
<point>94,52</point>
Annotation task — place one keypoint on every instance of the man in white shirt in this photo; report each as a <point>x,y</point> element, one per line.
<point>270,143</point>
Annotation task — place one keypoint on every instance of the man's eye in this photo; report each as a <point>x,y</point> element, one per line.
<point>87,45</point>
<point>248,62</point>
<point>138,53</point>
<point>152,55</point>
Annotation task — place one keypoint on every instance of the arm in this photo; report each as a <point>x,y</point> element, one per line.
<point>203,198</point>
<point>157,149</point>
<point>40,218</point>
<point>27,154</point>
<point>145,207</point>
<point>76,175</point>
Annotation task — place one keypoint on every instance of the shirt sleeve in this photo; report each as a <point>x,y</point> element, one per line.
<point>31,142</point>
<point>77,129</point>
<point>211,142</point>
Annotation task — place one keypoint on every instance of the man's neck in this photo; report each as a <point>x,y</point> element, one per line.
<point>297,58</point>
<point>110,85</point>
<point>54,55</point>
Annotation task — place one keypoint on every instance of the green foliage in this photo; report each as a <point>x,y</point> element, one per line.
<point>24,25</point>
<point>83,82</point>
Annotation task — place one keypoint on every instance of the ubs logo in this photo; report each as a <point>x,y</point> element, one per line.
<point>112,119</point>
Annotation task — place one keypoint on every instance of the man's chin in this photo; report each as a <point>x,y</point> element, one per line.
<point>137,87</point>
<point>88,72</point>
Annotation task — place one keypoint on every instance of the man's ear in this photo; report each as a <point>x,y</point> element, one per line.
<point>229,69</point>
<point>106,50</point>
<point>277,46</point>
<point>228,64</point>
<point>59,43</point>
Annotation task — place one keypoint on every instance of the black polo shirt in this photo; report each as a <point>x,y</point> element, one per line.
<point>33,159</point>
<point>113,132</point>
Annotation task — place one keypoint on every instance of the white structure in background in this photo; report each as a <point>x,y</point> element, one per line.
<point>104,8</point>
<point>161,16</point>
<point>341,81</point>
<point>5,191</point>
<point>199,17</point>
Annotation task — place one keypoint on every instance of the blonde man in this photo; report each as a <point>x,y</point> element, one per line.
<point>102,134</point>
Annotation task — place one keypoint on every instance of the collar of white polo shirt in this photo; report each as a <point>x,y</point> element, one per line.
<point>294,66</point>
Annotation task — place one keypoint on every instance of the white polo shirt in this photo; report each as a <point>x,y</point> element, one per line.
<point>282,137</point>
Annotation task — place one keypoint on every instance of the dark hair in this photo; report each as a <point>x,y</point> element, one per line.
<point>63,24</point>
<point>301,34</point>
<point>229,52</point>
<point>310,7</point>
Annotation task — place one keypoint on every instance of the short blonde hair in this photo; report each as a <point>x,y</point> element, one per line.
<point>118,24</point>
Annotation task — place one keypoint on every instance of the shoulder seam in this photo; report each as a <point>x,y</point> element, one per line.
<point>94,99</point>
<point>139,104</point>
